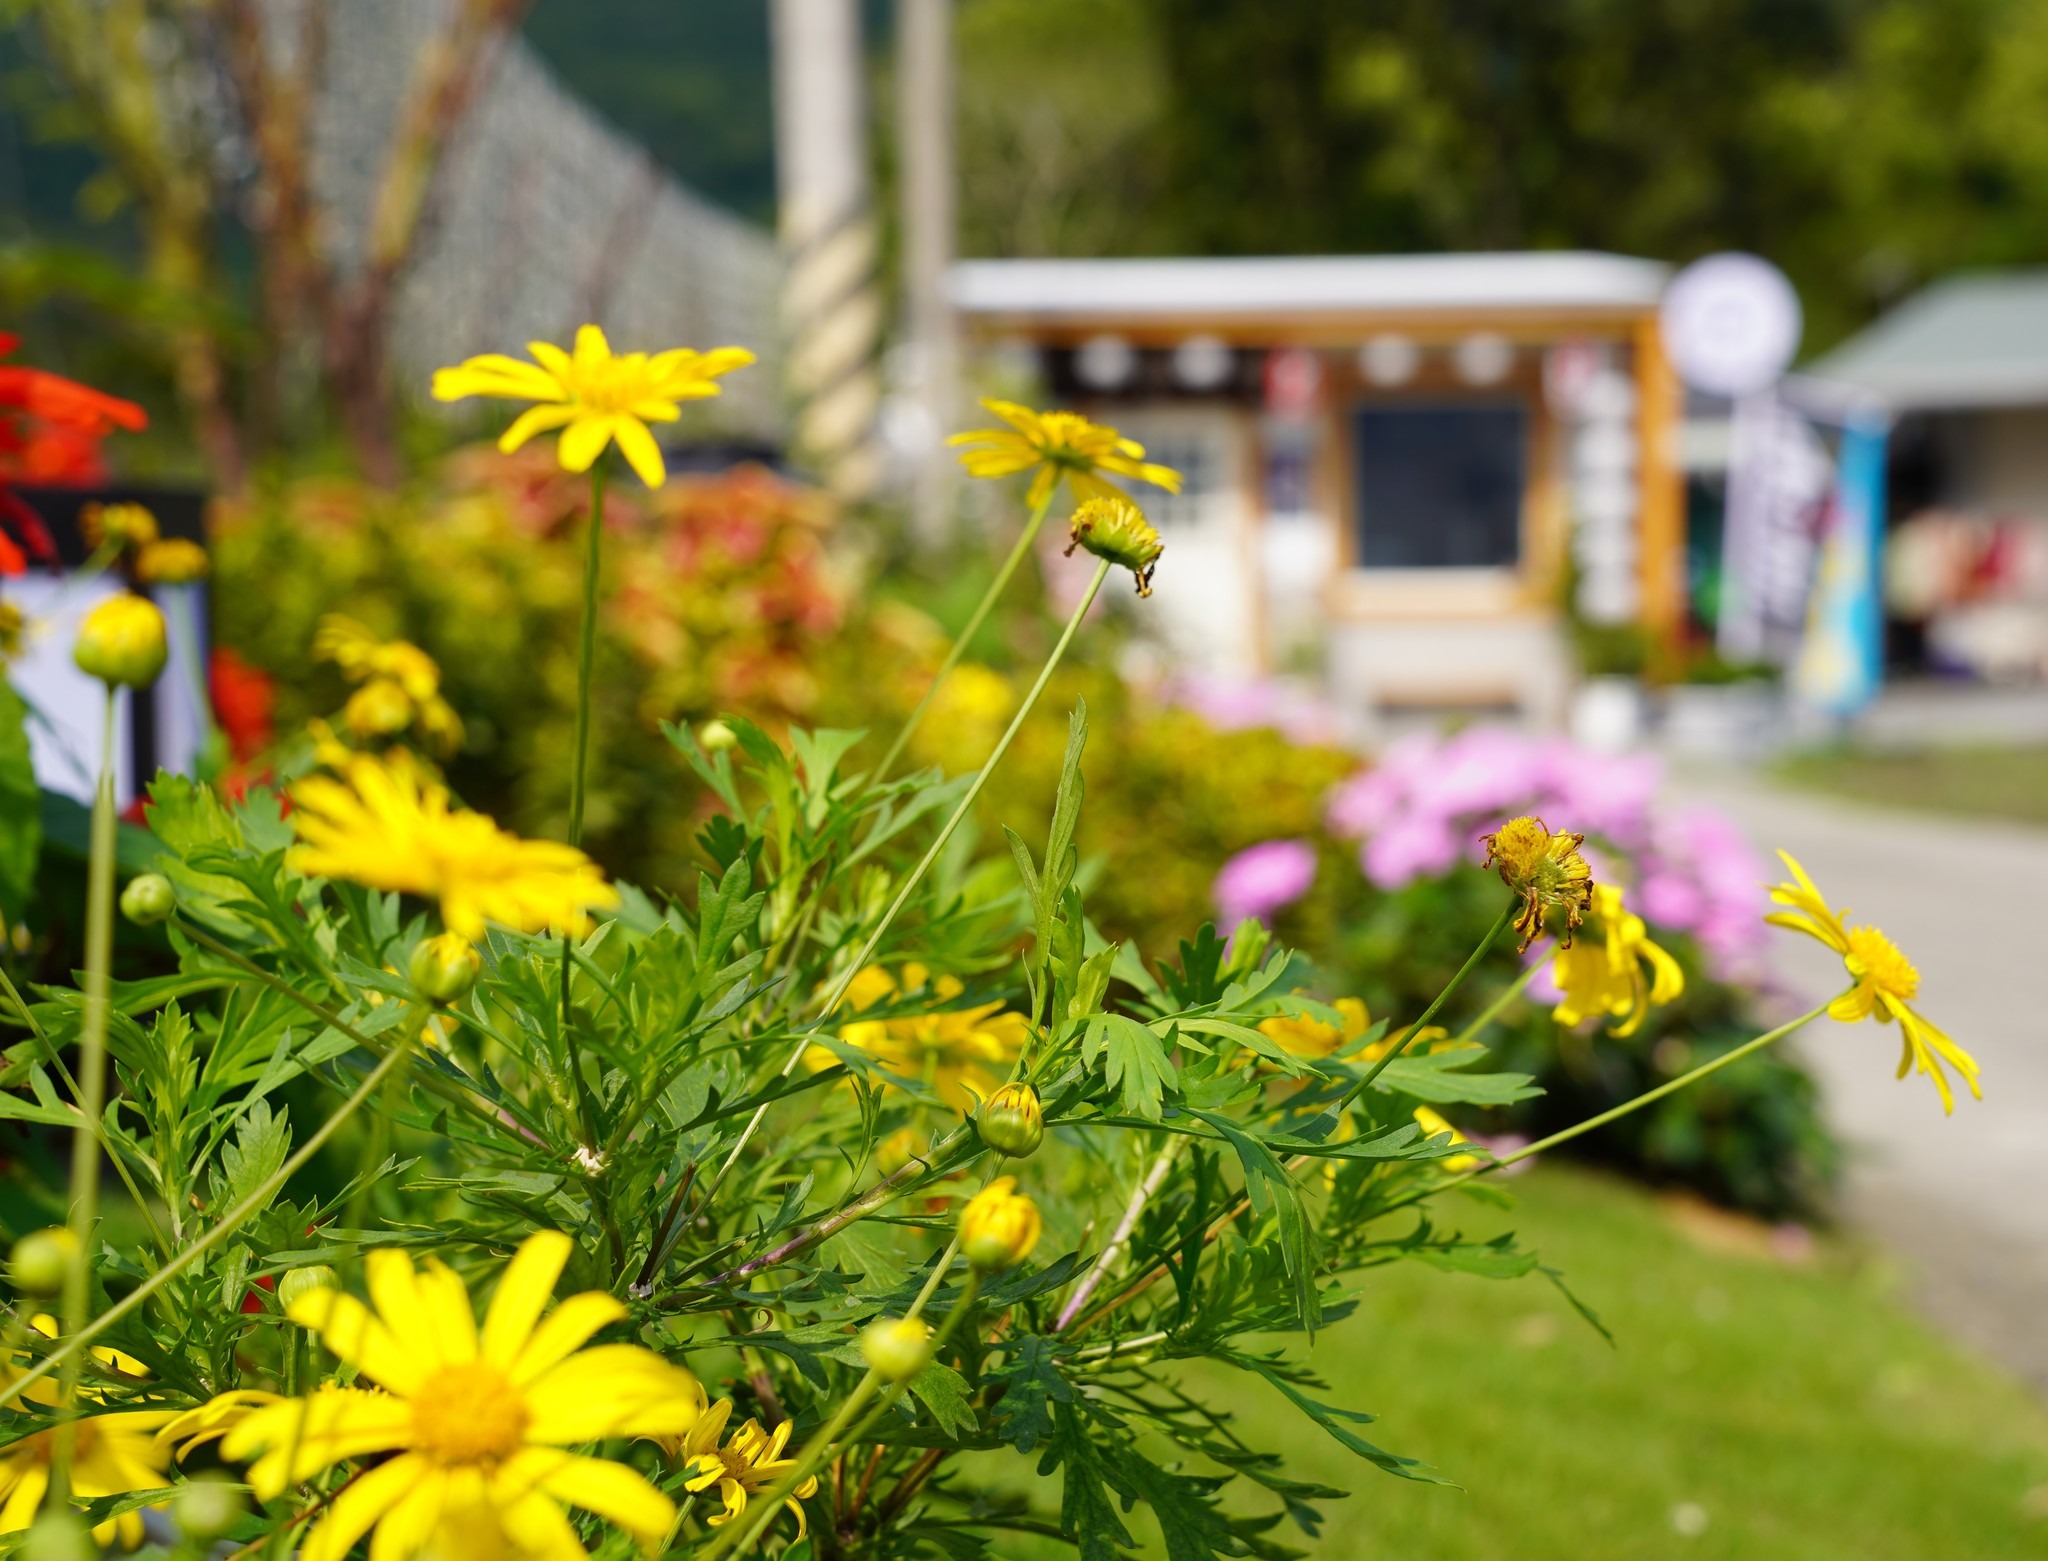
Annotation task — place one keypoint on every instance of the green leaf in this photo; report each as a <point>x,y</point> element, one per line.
<point>1495,1259</point>
<point>1440,1078</point>
<point>1335,1421</point>
<point>1031,1384</point>
<point>1185,1509</point>
<point>21,813</point>
<point>258,1150</point>
<point>943,1391</point>
<point>1137,1062</point>
<point>1585,1311</point>
<point>1272,1191</point>
<point>1087,1516</point>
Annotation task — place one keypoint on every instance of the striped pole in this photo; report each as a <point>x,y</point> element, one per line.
<point>832,302</point>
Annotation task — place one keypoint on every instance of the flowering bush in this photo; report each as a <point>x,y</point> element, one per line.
<point>719,592</point>
<point>882,1151</point>
<point>1392,907</point>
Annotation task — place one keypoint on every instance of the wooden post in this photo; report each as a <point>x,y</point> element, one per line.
<point>1661,506</point>
<point>924,121</point>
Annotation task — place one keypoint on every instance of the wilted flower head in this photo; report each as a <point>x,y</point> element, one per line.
<point>117,525</point>
<point>1545,871</point>
<point>1116,530</point>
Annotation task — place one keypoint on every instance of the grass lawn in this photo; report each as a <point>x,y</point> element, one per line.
<point>1983,782</point>
<point>1754,1408</point>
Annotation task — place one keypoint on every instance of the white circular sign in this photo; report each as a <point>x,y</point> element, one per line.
<point>1731,324</point>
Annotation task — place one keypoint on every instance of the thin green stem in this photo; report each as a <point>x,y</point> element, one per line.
<point>586,662</point>
<point>820,1447</point>
<point>92,1092</point>
<point>1493,1010</point>
<point>1415,1030</point>
<point>1615,1113</point>
<point>586,655</point>
<point>845,980</point>
<point>996,587</point>
<point>257,1200</point>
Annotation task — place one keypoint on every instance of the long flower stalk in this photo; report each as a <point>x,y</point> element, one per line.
<point>258,1199</point>
<point>579,769</point>
<point>859,963</point>
<point>92,1093</point>
<point>1415,1030</point>
<point>1032,526</point>
<point>1614,1113</point>
<point>1470,1034</point>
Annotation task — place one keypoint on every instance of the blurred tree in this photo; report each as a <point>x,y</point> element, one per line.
<point>1862,144</point>
<point>201,117</point>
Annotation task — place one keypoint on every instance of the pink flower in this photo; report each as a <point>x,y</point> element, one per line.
<point>1262,879</point>
<point>1415,847</point>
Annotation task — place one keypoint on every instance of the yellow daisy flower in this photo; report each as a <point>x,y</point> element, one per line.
<point>1608,978</point>
<point>477,1423</point>
<point>400,684</point>
<point>747,1464</point>
<point>1433,1123</point>
<point>1546,873</point>
<point>1886,982</point>
<point>214,1419</point>
<point>1056,445</point>
<point>1308,1037</point>
<point>382,824</point>
<point>112,1454</point>
<point>961,1054</point>
<point>593,396</point>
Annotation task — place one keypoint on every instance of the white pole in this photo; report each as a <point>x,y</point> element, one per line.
<point>831,305</point>
<point>924,117</point>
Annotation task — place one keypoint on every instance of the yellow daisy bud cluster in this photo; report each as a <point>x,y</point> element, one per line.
<point>13,625</point>
<point>398,686</point>
<point>132,530</point>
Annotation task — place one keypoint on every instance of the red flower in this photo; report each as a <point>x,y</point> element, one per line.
<point>243,699</point>
<point>50,433</point>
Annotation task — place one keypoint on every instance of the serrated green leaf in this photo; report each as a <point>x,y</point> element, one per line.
<point>1135,1062</point>
<point>943,1391</point>
<point>1031,1385</point>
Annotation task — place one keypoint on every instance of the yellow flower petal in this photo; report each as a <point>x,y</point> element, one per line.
<point>523,1290</point>
<point>567,1329</point>
<point>351,1331</point>
<point>411,1520</point>
<point>445,1309</point>
<point>535,420</point>
<point>612,1491</point>
<point>583,441</point>
<point>640,450</point>
<point>361,1503</point>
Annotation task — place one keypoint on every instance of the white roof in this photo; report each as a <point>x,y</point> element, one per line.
<point>1082,290</point>
<point>1971,341</point>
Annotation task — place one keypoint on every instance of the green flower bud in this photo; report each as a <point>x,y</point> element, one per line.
<point>41,1259</point>
<point>444,968</point>
<point>122,642</point>
<point>896,1348</point>
<point>206,1508</point>
<point>58,1536</point>
<point>1011,1121</point>
<point>1116,529</point>
<point>298,1283</point>
<point>716,737</point>
<point>148,899</point>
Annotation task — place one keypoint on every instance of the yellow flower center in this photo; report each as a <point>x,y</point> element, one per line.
<point>1069,439</point>
<point>1521,846</point>
<point>469,1414</point>
<point>612,386</point>
<point>1873,957</point>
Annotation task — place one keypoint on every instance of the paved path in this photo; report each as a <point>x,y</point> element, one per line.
<point>1963,1200</point>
